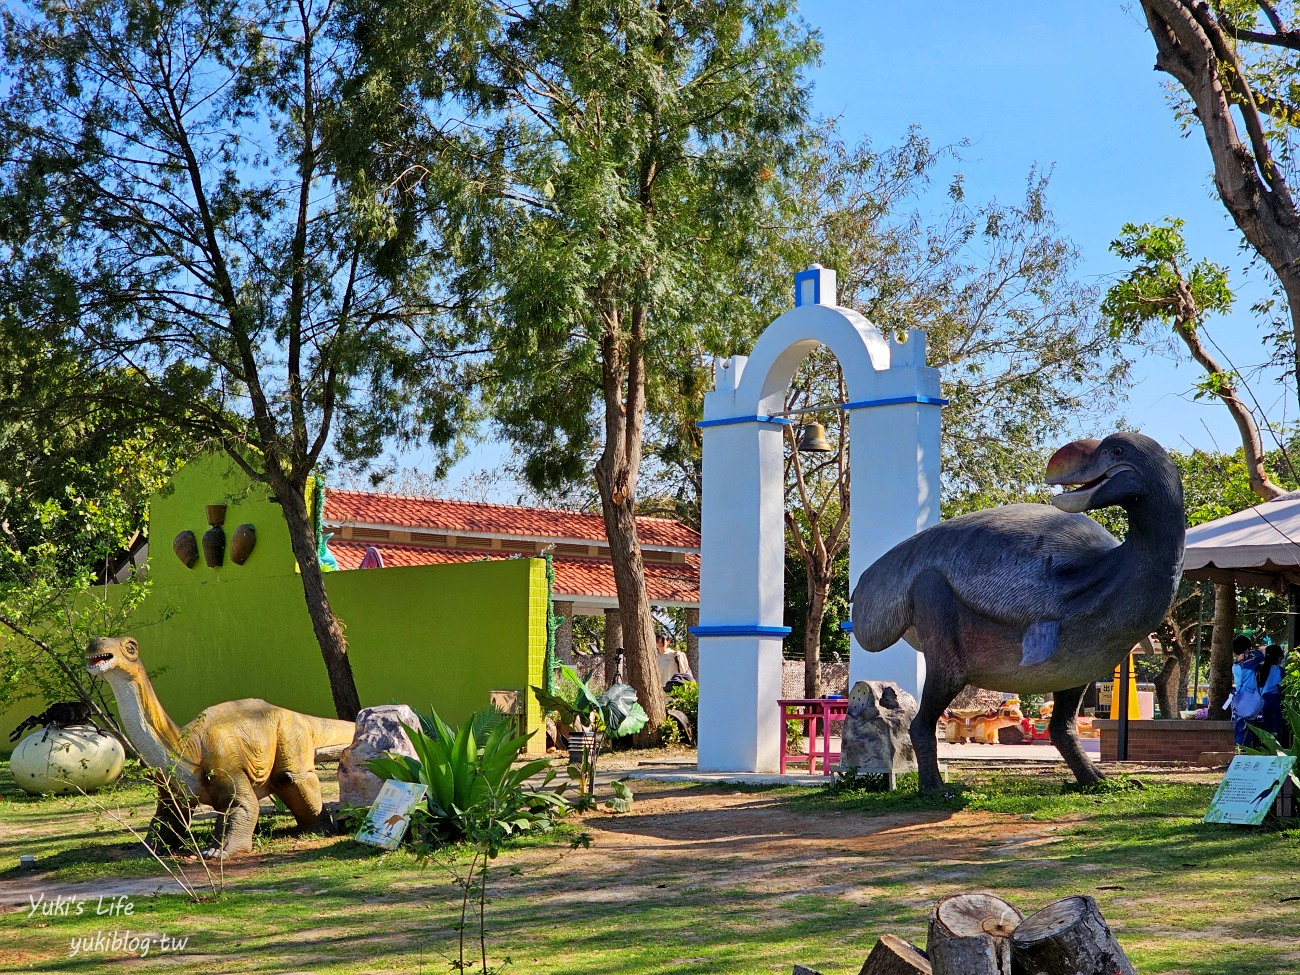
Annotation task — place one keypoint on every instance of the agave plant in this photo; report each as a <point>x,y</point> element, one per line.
<point>475,787</point>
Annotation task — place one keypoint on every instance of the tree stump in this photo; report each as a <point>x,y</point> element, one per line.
<point>1069,937</point>
<point>894,956</point>
<point>970,934</point>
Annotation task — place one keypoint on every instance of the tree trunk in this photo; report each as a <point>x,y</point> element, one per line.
<point>970,934</point>
<point>329,634</point>
<point>818,592</point>
<point>1225,628</point>
<point>1191,46</point>
<point>613,644</point>
<point>894,956</point>
<point>623,382</point>
<point>1169,683</point>
<point>1069,937</point>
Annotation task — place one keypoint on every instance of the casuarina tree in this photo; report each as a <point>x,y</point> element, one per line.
<point>190,192</point>
<point>633,141</point>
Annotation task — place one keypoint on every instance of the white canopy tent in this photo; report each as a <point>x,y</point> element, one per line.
<point>1256,547</point>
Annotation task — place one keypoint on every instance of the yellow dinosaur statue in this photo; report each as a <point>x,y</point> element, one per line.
<point>230,757</point>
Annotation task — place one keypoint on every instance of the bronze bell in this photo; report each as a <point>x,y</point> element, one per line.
<point>812,439</point>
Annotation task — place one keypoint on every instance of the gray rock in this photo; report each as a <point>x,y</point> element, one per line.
<point>876,735</point>
<point>379,730</point>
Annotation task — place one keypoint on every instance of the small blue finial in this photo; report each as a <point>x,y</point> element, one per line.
<point>815,286</point>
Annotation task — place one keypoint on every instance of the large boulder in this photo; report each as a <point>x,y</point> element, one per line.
<point>876,736</point>
<point>379,730</point>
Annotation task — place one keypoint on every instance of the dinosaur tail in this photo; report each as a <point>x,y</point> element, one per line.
<point>882,603</point>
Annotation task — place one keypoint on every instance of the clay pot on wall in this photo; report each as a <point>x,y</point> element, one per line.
<point>216,514</point>
<point>214,547</point>
<point>242,543</point>
<point>186,547</point>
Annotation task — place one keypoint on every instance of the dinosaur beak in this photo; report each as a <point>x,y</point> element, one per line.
<point>99,658</point>
<point>1077,463</point>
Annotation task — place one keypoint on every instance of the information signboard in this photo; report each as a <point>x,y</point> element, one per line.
<point>390,814</point>
<point>1246,793</point>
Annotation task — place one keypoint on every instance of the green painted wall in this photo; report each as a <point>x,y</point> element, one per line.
<point>444,636</point>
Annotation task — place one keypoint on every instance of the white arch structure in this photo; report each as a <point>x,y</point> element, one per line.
<point>894,407</point>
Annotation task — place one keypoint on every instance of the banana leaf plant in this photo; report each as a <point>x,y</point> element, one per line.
<point>1270,744</point>
<point>613,713</point>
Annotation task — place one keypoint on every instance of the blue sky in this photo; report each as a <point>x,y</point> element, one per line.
<point>1067,87</point>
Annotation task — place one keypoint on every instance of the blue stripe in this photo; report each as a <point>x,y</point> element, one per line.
<point>846,626</point>
<point>740,630</point>
<point>778,420</point>
<point>896,401</point>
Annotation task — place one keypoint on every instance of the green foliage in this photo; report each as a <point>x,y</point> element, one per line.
<point>1162,287</point>
<point>475,792</point>
<point>614,712</point>
<point>621,799</point>
<point>833,639</point>
<point>686,698</point>
<point>1269,745</point>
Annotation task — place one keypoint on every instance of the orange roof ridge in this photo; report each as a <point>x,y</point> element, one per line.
<point>491,504</point>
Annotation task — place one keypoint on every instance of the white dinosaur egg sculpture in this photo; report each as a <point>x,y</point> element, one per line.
<point>64,760</point>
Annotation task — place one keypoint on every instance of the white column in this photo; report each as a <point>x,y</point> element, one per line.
<point>742,561</point>
<point>894,453</point>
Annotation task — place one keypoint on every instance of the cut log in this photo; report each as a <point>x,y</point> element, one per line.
<point>894,956</point>
<point>975,954</point>
<point>801,970</point>
<point>1068,937</point>
<point>957,924</point>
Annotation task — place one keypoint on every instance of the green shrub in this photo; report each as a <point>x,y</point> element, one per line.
<point>474,787</point>
<point>686,698</point>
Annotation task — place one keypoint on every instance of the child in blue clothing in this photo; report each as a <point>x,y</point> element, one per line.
<point>1247,702</point>
<point>1268,678</point>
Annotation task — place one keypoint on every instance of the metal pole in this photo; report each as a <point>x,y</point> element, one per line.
<point>1121,739</point>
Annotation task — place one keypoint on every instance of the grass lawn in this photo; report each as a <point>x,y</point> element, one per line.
<point>695,880</point>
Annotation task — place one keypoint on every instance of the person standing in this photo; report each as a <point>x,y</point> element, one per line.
<point>1269,680</point>
<point>672,663</point>
<point>1246,701</point>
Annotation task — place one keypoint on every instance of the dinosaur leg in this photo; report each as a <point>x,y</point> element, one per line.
<point>1064,732</point>
<point>936,619</point>
<point>233,797</point>
<point>300,791</point>
<point>170,828</point>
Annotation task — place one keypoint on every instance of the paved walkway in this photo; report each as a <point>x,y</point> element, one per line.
<point>684,770</point>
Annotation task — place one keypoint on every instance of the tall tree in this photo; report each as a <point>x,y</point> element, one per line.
<point>1236,63</point>
<point>1166,288</point>
<point>635,137</point>
<point>190,190</point>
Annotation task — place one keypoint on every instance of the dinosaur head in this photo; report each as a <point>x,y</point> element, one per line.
<point>108,653</point>
<point>1118,470</point>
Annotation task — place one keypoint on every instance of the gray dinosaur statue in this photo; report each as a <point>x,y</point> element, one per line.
<point>1030,598</point>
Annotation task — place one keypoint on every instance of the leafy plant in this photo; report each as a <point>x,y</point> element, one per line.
<point>614,712</point>
<point>474,787</point>
<point>686,698</point>
<point>1271,746</point>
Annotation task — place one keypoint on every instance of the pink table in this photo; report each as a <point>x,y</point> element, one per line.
<point>816,714</point>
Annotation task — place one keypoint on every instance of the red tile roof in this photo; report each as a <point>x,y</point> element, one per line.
<point>666,582</point>
<point>367,508</point>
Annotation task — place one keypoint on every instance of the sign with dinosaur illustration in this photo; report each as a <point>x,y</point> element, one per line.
<point>391,814</point>
<point>1248,788</point>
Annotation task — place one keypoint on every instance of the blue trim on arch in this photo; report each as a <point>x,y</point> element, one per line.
<point>740,630</point>
<point>846,626</point>
<point>896,401</point>
<point>728,421</point>
<point>813,274</point>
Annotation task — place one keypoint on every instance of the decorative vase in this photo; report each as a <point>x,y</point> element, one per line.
<point>65,760</point>
<point>186,547</point>
<point>216,514</point>
<point>214,546</point>
<point>242,543</point>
